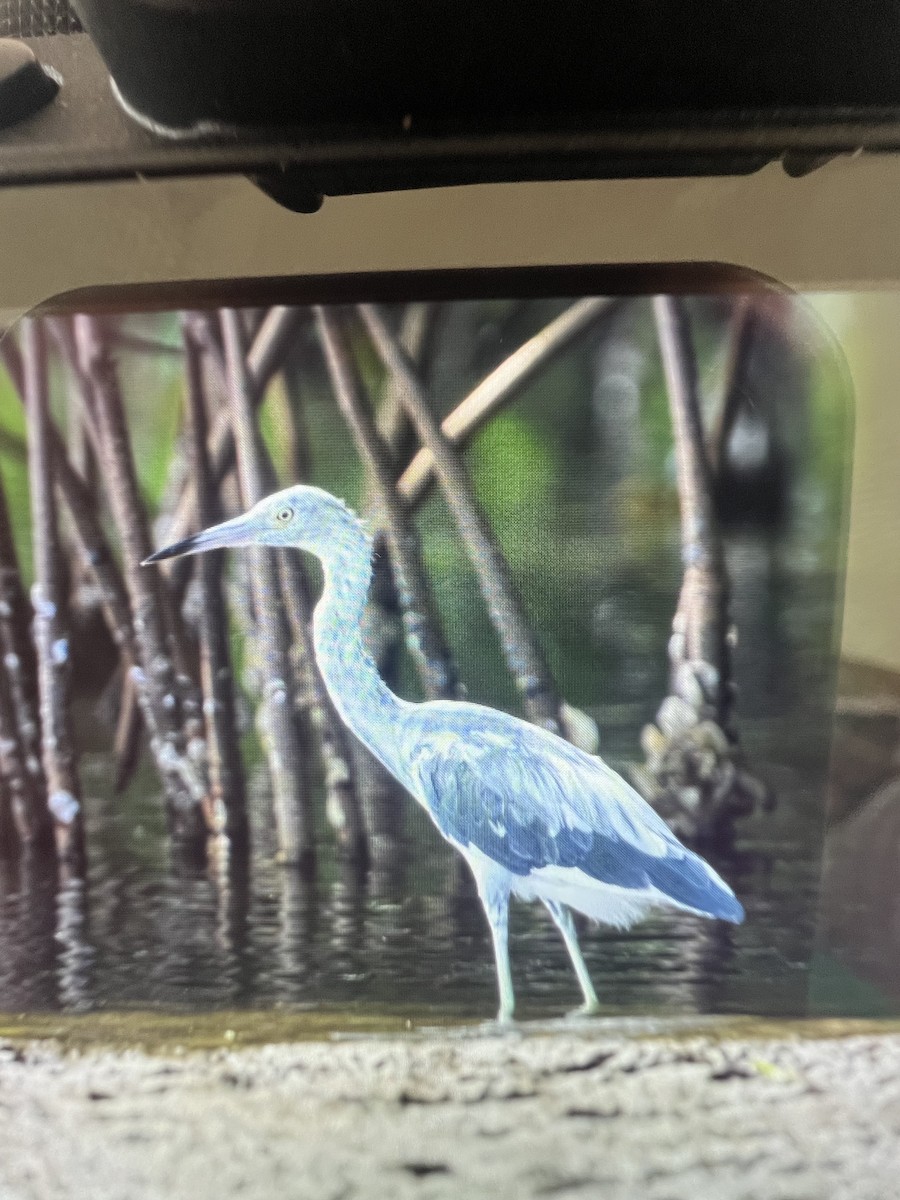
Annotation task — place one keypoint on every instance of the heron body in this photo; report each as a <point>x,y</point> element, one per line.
<point>533,815</point>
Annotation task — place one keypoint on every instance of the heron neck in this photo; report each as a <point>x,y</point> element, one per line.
<point>362,698</point>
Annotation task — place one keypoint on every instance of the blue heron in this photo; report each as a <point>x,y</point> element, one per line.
<point>532,815</point>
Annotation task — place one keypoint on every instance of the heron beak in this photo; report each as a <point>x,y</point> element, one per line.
<point>236,532</point>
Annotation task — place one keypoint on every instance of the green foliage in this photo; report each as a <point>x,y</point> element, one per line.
<point>655,419</point>
<point>272,417</point>
<point>830,430</point>
<point>14,470</point>
<point>335,464</point>
<point>514,468</point>
<point>153,395</point>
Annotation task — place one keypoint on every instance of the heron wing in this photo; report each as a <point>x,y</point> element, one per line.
<point>531,802</point>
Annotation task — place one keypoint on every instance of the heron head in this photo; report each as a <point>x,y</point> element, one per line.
<point>302,516</point>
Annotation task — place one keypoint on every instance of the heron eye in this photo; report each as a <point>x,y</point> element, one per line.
<point>284,515</point>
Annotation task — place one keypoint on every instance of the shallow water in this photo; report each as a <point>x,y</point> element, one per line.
<point>175,940</point>
<point>149,933</point>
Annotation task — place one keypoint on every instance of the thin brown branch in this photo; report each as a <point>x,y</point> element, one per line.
<point>741,340</point>
<point>95,551</point>
<point>424,634</point>
<point>90,537</point>
<point>264,360</point>
<point>161,666</point>
<point>127,740</point>
<point>11,358</point>
<point>292,802</point>
<point>20,799</point>
<point>51,633</point>
<point>701,623</point>
<point>415,335</point>
<point>80,396</point>
<point>9,835</point>
<point>20,667</point>
<point>270,346</point>
<point>83,456</point>
<point>694,770</point>
<point>15,611</point>
<point>99,562</point>
<point>504,384</point>
<point>226,805</point>
<point>523,655</point>
<point>319,724</point>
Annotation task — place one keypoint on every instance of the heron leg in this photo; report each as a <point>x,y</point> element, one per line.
<point>562,919</point>
<point>495,900</point>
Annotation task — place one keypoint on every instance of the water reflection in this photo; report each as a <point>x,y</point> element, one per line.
<point>232,938</point>
<point>47,958</point>
<point>75,956</point>
<point>297,911</point>
<point>229,873</point>
<point>28,935</point>
<point>151,928</point>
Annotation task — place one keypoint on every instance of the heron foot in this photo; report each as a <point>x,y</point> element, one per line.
<point>589,1008</point>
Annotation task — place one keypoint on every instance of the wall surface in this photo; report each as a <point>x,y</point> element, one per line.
<point>838,225</point>
<point>871,341</point>
<point>836,228</point>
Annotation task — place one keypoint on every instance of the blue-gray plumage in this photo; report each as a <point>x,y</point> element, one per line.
<point>533,815</point>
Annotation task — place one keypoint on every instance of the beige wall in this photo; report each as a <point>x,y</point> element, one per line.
<point>839,224</point>
<point>838,227</point>
<point>870,336</point>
